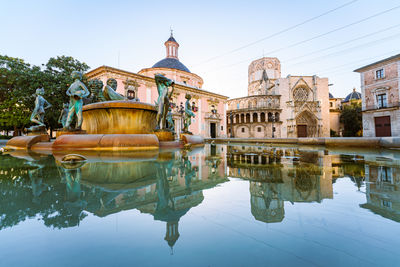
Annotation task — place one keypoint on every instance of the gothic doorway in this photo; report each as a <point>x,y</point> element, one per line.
<point>306,125</point>
<point>301,130</point>
<point>213,130</point>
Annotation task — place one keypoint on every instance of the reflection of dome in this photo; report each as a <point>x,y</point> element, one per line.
<point>331,96</point>
<point>353,96</point>
<point>171,63</point>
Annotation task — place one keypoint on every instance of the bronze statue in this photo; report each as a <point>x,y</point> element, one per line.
<point>76,92</point>
<point>110,89</point>
<point>96,89</point>
<point>64,115</point>
<point>170,120</point>
<point>37,116</point>
<point>163,103</point>
<point>188,114</point>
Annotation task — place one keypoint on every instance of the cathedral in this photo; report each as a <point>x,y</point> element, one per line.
<point>208,107</point>
<point>276,107</point>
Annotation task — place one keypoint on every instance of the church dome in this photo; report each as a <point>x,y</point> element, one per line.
<point>171,63</point>
<point>353,96</point>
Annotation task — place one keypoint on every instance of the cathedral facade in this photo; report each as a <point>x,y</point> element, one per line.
<point>209,107</point>
<point>276,107</point>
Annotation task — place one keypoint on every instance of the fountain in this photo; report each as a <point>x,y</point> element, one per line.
<point>112,125</point>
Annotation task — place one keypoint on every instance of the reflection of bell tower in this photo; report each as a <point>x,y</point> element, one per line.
<point>172,234</point>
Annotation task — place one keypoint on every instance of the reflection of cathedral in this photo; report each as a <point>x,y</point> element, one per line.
<point>295,106</point>
<point>279,175</point>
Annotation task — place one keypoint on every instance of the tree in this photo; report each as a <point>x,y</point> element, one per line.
<point>351,117</point>
<point>18,82</point>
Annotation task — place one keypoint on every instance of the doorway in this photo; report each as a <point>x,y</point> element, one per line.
<point>383,126</point>
<point>213,130</point>
<point>301,130</point>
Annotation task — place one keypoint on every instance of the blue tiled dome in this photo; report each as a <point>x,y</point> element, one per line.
<point>171,38</point>
<point>171,63</point>
<point>352,96</point>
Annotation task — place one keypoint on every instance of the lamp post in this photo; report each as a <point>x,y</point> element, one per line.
<point>181,110</point>
<point>231,123</point>
<point>273,128</point>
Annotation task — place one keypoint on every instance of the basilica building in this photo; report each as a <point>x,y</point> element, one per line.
<point>295,106</point>
<point>209,107</point>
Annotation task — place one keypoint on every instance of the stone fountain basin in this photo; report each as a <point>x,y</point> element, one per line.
<point>119,117</point>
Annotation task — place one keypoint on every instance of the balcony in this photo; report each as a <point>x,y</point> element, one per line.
<point>394,105</point>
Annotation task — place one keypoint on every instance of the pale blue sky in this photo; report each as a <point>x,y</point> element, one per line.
<point>95,32</point>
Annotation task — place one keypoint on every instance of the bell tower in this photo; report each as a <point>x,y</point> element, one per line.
<point>172,47</point>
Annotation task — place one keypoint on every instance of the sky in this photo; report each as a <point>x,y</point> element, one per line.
<point>218,39</point>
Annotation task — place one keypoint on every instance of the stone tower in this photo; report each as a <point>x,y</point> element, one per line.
<point>262,76</point>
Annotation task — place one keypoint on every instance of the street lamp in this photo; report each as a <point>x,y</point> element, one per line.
<point>231,123</point>
<point>273,127</point>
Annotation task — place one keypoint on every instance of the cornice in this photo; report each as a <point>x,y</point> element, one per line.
<point>106,69</point>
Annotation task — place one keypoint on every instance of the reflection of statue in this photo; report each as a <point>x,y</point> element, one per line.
<point>76,92</point>
<point>110,89</point>
<point>188,114</point>
<point>163,99</point>
<point>36,176</point>
<point>189,172</point>
<point>170,120</point>
<point>63,115</point>
<point>41,105</point>
<point>72,177</point>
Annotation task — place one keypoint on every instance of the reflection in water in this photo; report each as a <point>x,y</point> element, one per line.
<point>277,175</point>
<point>167,188</point>
<point>383,189</point>
<point>169,184</point>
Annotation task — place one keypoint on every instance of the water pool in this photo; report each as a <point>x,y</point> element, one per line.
<point>215,206</point>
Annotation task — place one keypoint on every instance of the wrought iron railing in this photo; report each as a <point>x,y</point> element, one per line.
<point>377,107</point>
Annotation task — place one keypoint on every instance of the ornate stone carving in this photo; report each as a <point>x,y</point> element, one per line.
<point>300,94</point>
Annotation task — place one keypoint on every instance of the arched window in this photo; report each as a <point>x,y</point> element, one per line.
<point>300,94</point>
<point>131,94</point>
<point>237,118</point>
<point>277,116</point>
<point>247,117</point>
<point>270,117</point>
<point>255,117</point>
<point>242,118</point>
<point>262,117</point>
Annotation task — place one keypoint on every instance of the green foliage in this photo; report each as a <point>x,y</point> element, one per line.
<point>334,133</point>
<point>351,117</point>
<point>18,82</point>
